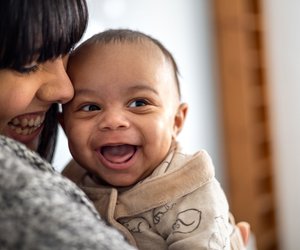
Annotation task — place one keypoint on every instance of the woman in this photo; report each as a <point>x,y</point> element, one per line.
<point>39,209</point>
<point>35,37</point>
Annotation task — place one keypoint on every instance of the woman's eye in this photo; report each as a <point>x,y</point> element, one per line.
<point>138,103</point>
<point>29,68</point>
<point>90,107</point>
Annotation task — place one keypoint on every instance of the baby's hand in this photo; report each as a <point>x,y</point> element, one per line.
<point>244,228</point>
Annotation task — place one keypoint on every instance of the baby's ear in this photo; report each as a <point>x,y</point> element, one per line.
<point>180,118</point>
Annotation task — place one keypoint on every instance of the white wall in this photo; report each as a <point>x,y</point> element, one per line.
<point>184,27</point>
<point>283,55</point>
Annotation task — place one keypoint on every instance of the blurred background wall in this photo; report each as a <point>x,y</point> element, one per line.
<point>282,19</point>
<point>187,29</point>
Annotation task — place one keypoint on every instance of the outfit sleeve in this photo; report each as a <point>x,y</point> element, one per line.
<point>41,210</point>
<point>198,220</point>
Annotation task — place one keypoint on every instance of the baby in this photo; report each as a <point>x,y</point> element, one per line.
<point>122,126</point>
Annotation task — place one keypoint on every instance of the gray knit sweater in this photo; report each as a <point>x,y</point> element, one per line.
<point>41,210</point>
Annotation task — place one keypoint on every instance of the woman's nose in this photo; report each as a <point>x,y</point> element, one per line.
<point>56,85</point>
<point>113,120</point>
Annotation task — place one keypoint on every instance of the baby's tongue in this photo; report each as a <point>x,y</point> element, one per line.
<point>118,154</point>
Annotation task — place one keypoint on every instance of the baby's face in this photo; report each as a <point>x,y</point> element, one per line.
<point>125,112</point>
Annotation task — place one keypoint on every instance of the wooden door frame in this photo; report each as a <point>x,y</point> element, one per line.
<point>244,109</point>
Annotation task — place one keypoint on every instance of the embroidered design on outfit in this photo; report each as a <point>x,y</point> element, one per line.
<point>136,225</point>
<point>158,213</point>
<point>187,221</point>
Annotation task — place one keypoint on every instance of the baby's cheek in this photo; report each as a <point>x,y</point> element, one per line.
<point>74,135</point>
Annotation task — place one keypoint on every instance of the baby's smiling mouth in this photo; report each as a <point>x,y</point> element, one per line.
<point>25,125</point>
<point>118,153</point>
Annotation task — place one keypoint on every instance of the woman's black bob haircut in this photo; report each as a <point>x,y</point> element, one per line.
<point>39,30</point>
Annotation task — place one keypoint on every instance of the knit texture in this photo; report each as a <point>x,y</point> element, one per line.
<point>41,210</point>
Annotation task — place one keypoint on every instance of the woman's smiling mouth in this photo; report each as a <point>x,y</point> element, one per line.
<point>26,125</point>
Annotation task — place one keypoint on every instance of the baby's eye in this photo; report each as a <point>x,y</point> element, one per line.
<point>90,107</point>
<point>138,103</point>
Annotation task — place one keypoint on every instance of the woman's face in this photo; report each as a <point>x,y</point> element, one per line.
<point>26,96</point>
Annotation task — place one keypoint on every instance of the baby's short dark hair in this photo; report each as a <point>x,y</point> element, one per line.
<point>128,35</point>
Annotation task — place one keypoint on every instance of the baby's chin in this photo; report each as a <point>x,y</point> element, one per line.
<point>124,183</point>
<point>116,181</point>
